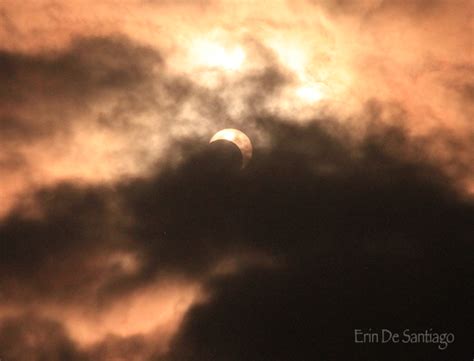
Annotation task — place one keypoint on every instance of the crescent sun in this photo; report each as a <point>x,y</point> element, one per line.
<point>240,139</point>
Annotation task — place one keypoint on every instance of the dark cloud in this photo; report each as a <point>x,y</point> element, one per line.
<point>89,67</point>
<point>33,338</point>
<point>467,90</point>
<point>330,182</point>
<point>74,225</point>
<point>375,241</point>
<point>311,311</point>
<point>135,347</point>
<point>77,222</point>
<point>57,86</point>
<point>362,237</point>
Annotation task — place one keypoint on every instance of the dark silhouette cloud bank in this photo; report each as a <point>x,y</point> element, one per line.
<point>338,243</point>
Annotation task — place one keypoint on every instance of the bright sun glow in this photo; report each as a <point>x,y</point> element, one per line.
<point>216,58</point>
<point>210,54</point>
<point>310,93</point>
<point>292,56</point>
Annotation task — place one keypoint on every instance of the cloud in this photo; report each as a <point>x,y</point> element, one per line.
<point>67,213</point>
<point>33,338</point>
<point>71,80</point>
<point>124,235</point>
<point>365,238</point>
<point>356,230</point>
<point>58,106</point>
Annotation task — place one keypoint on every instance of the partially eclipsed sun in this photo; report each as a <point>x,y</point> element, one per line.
<point>240,139</point>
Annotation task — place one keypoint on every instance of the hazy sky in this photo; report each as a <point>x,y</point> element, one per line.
<point>119,240</point>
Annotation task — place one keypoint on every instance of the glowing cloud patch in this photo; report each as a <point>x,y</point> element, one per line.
<point>310,93</point>
<point>211,54</point>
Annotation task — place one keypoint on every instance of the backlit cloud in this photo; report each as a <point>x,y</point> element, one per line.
<point>121,236</point>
